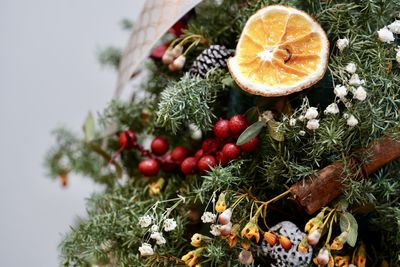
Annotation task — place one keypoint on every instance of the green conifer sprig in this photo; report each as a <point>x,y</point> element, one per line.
<point>190,100</point>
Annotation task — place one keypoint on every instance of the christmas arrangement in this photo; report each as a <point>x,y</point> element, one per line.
<point>266,133</point>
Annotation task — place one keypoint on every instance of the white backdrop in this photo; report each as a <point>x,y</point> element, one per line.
<point>49,77</point>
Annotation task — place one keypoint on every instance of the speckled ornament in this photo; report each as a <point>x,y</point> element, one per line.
<point>280,257</point>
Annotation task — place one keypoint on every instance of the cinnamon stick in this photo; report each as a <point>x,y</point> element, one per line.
<point>313,193</point>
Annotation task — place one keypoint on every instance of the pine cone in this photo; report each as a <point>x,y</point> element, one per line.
<point>213,57</point>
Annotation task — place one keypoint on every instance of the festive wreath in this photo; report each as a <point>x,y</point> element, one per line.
<point>266,134</point>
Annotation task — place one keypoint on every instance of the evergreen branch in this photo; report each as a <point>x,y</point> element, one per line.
<point>189,100</point>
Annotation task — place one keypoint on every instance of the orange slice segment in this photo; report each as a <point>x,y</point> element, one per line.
<point>282,50</point>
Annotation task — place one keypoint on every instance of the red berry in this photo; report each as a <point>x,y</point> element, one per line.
<point>231,151</point>
<point>169,163</point>
<point>206,162</point>
<point>250,146</point>
<point>149,167</point>
<point>210,145</point>
<point>127,139</point>
<point>221,129</point>
<point>159,146</point>
<point>189,165</point>
<point>199,153</point>
<point>237,124</point>
<point>221,159</point>
<point>179,153</point>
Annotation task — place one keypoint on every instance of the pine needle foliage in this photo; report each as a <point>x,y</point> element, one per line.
<point>190,100</point>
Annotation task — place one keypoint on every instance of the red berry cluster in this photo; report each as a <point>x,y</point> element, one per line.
<point>157,156</point>
<point>219,149</point>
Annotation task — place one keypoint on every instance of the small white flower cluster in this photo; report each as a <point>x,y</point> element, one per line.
<point>398,54</point>
<point>215,229</point>
<point>386,34</point>
<point>169,225</point>
<point>208,217</point>
<point>160,240</point>
<point>146,250</point>
<point>310,115</point>
<point>354,85</point>
<point>352,121</point>
<point>145,221</point>
<point>341,44</point>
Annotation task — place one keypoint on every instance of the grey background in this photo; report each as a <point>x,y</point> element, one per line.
<point>49,77</point>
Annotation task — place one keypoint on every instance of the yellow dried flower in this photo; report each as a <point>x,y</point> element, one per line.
<point>221,205</point>
<point>303,246</point>
<point>360,258</point>
<point>251,230</point>
<point>342,261</point>
<point>339,241</point>
<point>316,221</point>
<point>198,240</point>
<point>232,237</point>
<point>245,244</point>
<point>155,187</point>
<point>192,257</point>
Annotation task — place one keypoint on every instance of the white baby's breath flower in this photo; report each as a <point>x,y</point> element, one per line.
<point>351,68</point>
<point>398,54</point>
<point>215,229</point>
<point>313,124</point>
<point>169,225</point>
<point>208,217</point>
<point>340,91</point>
<point>146,250</point>
<point>385,35</point>
<point>301,118</point>
<point>332,109</point>
<point>355,80</point>
<point>302,133</point>
<point>395,27</point>
<point>160,240</point>
<point>341,44</point>
<point>145,221</point>
<point>360,93</point>
<point>311,113</point>
<point>352,121</point>
<point>154,228</point>
<point>292,122</point>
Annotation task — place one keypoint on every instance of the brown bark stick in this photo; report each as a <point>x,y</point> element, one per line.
<point>313,193</point>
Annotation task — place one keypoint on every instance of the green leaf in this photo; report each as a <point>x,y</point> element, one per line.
<point>349,223</point>
<point>273,131</point>
<point>252,114</point>
<point>251,132</point>
<point>89,127</point>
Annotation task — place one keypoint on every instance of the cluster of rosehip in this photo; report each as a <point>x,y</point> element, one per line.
<point>214,150</point>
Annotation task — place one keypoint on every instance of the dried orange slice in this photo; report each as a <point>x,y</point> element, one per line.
<point>282,50</point>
